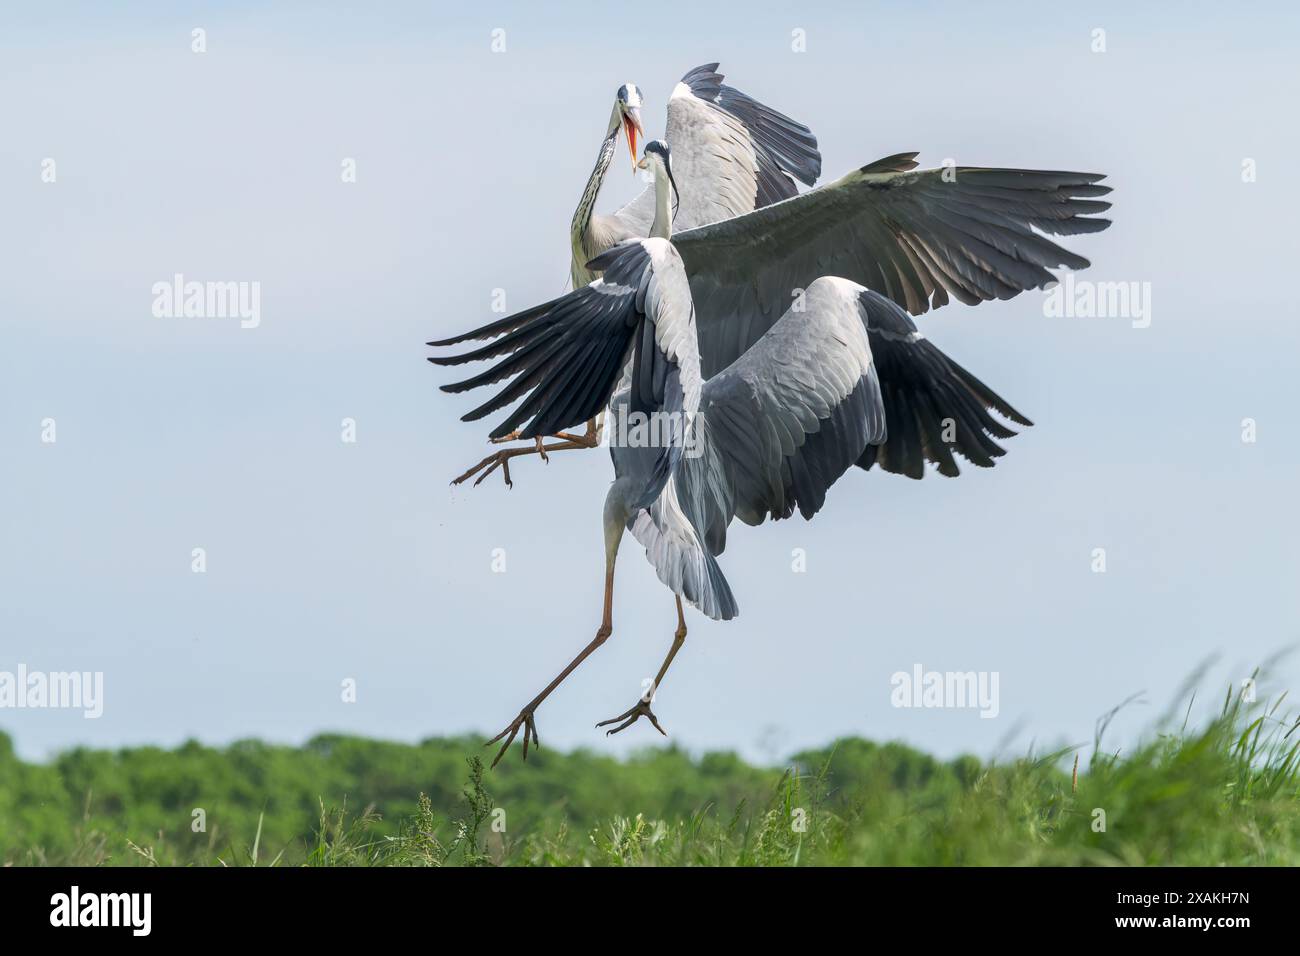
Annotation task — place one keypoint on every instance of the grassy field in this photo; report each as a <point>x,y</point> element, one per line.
<point>1225,793</point>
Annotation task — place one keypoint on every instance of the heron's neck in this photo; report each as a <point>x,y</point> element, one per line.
<point>582,216</point>
<point>662,227</point>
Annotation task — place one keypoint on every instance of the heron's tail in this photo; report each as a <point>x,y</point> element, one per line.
<point>680,559</point>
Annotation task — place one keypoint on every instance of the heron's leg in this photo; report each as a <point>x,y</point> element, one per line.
<point>642,707</point>
<point>501,459</point>
<point>591,437</point>
<point>525,718</point>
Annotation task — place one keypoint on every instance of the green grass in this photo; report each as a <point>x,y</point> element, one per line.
<point>1224,793</point>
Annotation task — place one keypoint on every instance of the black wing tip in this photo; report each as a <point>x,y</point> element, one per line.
<point>602,262</point>
<point>787,145</point>
<point>704,70</point>
<point>444,343</point>
<point>1080,225</point>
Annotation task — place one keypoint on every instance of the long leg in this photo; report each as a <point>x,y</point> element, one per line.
<point>589,438</point>
<point>642,707</point>
<point>525,718</point>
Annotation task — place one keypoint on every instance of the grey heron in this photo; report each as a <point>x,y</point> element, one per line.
<point>732,154</point>
<point>841,377</point>
<point>749,241</point>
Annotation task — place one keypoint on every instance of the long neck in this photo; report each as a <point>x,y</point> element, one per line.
<point>582,215</point>
<point>663,222</point>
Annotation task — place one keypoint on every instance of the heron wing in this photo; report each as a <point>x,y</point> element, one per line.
<point>781,423</point>
<point>730,154</point>
<point>915,236</point>
<point>933,407</point>
<point>564,358</point>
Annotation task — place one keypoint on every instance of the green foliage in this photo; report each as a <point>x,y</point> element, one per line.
<point>1226,794</point>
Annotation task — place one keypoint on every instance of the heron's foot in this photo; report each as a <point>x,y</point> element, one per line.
<point>514,436</point>
<point>629,717</point>
<point>524,720</point>
<point>501,459</point>
<point>498,459</point>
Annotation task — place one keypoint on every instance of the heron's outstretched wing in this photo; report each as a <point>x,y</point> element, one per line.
<point>730,154</point>
<point>565,357</point>
<point>933,406</point>
<point>915,236</point>
<point>778,426</point>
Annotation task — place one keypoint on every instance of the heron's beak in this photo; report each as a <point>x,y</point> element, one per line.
<point>642,164</point>
<point>632,128</point>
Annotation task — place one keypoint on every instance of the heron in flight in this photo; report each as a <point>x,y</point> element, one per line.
<point>750,242</point>
<point>841,377</point>
<point>731,155</point>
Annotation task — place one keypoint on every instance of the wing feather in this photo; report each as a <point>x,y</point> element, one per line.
<point>915,236</point>
<point>564,358</point>
<point>731,154</point>
<point>783,422</point>
<point>934,408</point>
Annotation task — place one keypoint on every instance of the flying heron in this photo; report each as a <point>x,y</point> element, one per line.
<point>732,154</point>
<point>841,377</point>
<point>750,242</point>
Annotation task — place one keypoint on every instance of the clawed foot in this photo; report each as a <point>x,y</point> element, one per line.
<point>524,720</point>
<point>629,717</point>
<point>491,463</point>
<point>514,436</point>
<point>501,459</point>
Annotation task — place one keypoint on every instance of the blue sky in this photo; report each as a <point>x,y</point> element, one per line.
<point>328,561</point>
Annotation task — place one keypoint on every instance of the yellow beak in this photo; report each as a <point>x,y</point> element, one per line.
<point>632,128</point>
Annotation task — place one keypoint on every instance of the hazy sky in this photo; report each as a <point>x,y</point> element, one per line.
<point>329,560</point>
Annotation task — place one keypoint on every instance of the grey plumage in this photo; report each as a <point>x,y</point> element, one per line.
<point>731,154</point>
<point>933,406</point>
<point>765,437</point>
<point>734,153</point>
<point>779,333</point>
<point>910,235</point>
<point>780,425</point>
<point>565,357</point>
<point>774,334</point>
<point>784,148</point>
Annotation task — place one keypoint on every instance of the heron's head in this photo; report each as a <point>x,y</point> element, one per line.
<point>659,159</point>
<point>627,111</point>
